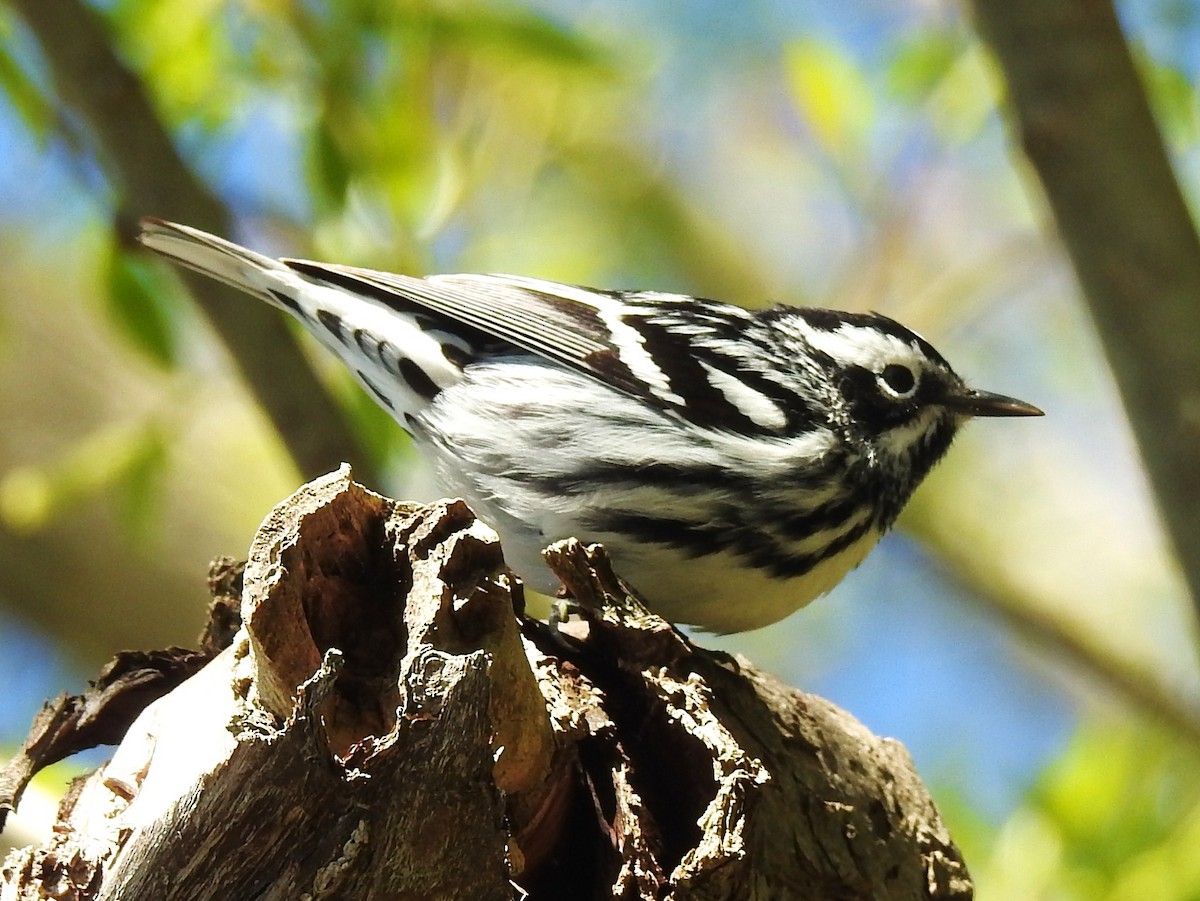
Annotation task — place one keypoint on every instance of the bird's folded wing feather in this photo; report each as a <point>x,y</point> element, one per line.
<point>581,328</point>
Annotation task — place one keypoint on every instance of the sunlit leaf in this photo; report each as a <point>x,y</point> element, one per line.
<point>185,58</point>
<point>951,76</point>
<point>26,499</point>
<point>141,481</point>
<point>966,97</point>
<point>1117,817</point>
<point>1174,99</point>
<point>329,168</point>
<point>831,93</point>
<point>121,454</point>
<point>921,62</point>
<point>140,307</point>
<point>524,34</point>
<point>31,105</point>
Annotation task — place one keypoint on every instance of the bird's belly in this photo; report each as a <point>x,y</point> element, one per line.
<point>716,592</point>
<point>538,470</point>
<point>719,593</point>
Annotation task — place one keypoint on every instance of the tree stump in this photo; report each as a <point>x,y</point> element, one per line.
<point>386,723</point>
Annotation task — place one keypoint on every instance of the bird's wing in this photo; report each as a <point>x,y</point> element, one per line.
<point>661,348</point>
<point>680,354</point>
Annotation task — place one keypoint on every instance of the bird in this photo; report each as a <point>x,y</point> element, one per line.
<point>734,463</point>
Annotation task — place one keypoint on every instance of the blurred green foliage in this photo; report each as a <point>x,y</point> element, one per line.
<point>1116,818</point>
<point>142,307</point>
<point>35,111</point>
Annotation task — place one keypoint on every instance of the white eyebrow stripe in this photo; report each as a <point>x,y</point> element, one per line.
<point>866,347</point>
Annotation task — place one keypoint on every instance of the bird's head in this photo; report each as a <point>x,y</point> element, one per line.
<point>891,395</point>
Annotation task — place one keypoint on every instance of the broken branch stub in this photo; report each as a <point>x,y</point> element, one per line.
<point>386,725</point>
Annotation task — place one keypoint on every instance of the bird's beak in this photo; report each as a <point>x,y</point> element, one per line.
<point>984,403</point>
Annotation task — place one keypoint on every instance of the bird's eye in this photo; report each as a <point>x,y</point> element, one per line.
<point>900,381</point>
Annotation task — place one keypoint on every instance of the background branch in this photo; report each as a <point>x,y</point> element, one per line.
<point>1104,662</point>
<point>1086,125</point>
<point>150,179</point>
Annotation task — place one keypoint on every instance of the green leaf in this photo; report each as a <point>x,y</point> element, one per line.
<point>832,95</point>
<point>140,306</point>
<point>523,34</point>
<point>128,456</point>
<point>952,78</point>
<point>329,168</point>
<point>141,482</point>
<point>33,108</point>
<point>183,53</point>
<point>966,97</point>
<point>920,63</point>
<point>1117,818</point>
<point>1173,98</point>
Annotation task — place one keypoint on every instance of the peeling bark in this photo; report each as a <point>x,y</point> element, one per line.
<point>385,723</point>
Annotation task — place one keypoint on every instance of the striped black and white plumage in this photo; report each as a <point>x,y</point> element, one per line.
<point>736,464</point>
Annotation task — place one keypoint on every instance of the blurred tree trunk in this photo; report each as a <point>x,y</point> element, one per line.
<point>382,726</point>
<point>1086,125</point>
<point>149,178</point>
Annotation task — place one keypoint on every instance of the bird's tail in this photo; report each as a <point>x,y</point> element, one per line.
<point>403,354</point>
<point>217,258</point>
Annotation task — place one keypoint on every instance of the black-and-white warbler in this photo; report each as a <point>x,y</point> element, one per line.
<point>735,464</point>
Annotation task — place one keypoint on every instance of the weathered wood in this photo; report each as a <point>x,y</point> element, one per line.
<point>386,724</point>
